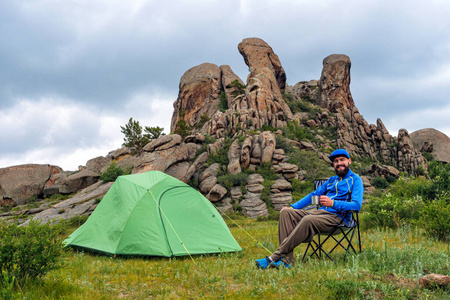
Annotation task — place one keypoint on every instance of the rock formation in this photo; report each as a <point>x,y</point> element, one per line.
<point>226,120</point>
<point>432,141</point>
<point>334,93</point>
<point>21,183</point>
<point>199,94</point>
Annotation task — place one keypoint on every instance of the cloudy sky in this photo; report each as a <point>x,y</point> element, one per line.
<point>73,71</point>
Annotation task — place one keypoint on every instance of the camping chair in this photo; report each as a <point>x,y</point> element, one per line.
<point>344,241</point>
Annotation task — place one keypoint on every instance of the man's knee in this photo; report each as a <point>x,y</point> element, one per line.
<point>308,220</point>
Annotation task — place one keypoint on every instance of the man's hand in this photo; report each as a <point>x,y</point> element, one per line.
<point>286,207</point>
<point>325,201</point>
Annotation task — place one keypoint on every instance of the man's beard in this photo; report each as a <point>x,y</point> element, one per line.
<point>342,173</point>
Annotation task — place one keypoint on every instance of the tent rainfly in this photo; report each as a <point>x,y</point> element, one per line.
<point>154,214</point>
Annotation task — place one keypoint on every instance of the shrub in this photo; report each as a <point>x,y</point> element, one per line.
<point>265,193</point>
<point>221,156</point>
<point>428,156</point>
<point>393,212</point>
<point>182,127</point>
<point>7,287</point>
<point>240,88</point>
<point>230,180</point>
<point>29,252</point>
<point>439,173</point>
<point>113,172</point>
<point>309,161</point>
<point>223,102</point>
<point>379,182</point>
<point>297,131</point>
<point>301,188</point>
<point>266,171</point>
<point>436,219</point>
<point>203,119</point>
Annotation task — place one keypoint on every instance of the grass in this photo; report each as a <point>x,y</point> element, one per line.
<point>389,268</point>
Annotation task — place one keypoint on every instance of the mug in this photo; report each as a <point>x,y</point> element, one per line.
<point>315,200</point>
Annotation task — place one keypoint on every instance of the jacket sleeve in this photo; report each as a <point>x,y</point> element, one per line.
<point>305,201</point>
<point>356,200</point>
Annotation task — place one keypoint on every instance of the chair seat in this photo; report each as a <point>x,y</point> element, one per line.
<point>347,232</point>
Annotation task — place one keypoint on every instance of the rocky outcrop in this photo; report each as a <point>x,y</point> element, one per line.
<point>334,93</point>
<point>252,205</point>
<point>20,183</point>
<point>281,194</point>
<point>327,110</point>
<point>199,92</point>
<point>78,181</point>
<point>234,156</point>
<point>432,141</point>
<point>266,78</point>
<point>306,90</point>
<point>83,203</point>
<point>409,160</point>
<point>228,80</point>
<point>383,171</point>
<point>260,103</point>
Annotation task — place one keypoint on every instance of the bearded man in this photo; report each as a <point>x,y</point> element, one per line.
<point>337,195</point>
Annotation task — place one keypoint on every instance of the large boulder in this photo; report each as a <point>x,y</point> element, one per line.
<point>434,141</point>
<point>199,92</point>
<point>234,156</point>
<point>334,83</point>
<point>267,77</point>
<point>19,183</point>
<point>162,160</point>
<point>78,181</point>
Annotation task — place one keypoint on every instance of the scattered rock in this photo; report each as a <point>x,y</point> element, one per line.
<point>216,193</point>
<point>434,280</point>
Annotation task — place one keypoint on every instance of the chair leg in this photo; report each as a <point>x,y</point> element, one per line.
<point>348,235</point>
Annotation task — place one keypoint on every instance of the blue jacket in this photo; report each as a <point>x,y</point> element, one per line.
<point>347,193</point>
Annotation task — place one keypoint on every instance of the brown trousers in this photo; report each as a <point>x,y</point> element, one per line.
<point>298,226</point>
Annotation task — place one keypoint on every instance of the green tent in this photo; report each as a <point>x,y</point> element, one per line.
<point>154,214</point>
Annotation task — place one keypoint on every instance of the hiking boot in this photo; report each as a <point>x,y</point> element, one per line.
<point>263,263</point>
<point>280,264</point>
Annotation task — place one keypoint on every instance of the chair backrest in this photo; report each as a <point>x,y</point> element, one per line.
<point>319,182</point>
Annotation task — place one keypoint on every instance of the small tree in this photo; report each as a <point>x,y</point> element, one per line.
<point>152,133</point>
<point>135,139</point>
<point>240,88</point>
<point>182,127</point>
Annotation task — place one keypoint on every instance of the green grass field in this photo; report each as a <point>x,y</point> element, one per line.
<point>389,267</point>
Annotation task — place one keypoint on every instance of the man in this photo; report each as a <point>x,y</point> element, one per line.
<point>338,194</point>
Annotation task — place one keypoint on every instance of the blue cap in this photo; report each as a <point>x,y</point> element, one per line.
<point>337,153</point>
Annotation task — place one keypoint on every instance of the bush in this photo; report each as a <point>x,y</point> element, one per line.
<point>296,131</point>
<point>221,156</point>
<point>29,252</point>
<point>230,180</point>
<point>393,212</point>
<point>223,102</point>
<point>436,219</point>
<point>113,172</point>
<point>379,182</point>
<point>309,161</point>
<point>240,88</point>
<point>428,156</point>
<point>301,188</point>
